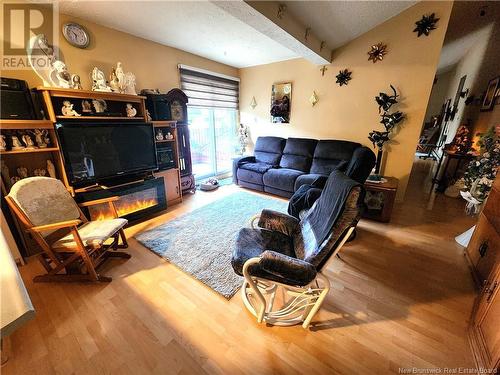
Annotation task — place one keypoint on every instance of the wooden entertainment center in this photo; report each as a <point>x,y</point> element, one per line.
<point>35,159</point>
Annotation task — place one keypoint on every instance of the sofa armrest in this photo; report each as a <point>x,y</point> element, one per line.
<point>237,162</point>
<point>292,270</point>
<point>361,164</point>
<point>278,221</point>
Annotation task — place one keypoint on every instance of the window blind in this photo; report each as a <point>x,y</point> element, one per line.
<point>207,90</point>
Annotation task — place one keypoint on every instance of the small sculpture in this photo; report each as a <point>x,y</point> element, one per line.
<point>3,144</point>
<point>22,172</point>
<point>28,142</point>
<point>131,111</point>
<point>51,169</point>
<point>41,136</point>
<point>99,81</point>
<point>13,180</point>
<point>100,105</point>
<point>86,106</point>
<point>113,81</point>
<point>169,136</point>
<point>124,81</point>
<point>60,75</point>
<point>130,84</point>
<point>159,135</point>
<point>377,52</point>
<point>5,172</point>
<point>39,172</point>
<point>76,82</point>
<point>16,143</point>
<point>120,76</point>
<point>148,116</point>
<point>67,109</point>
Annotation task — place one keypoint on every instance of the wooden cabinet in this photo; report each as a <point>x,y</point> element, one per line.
<point>172,187</point>
<point>484,255</point>
<point>380,198</point>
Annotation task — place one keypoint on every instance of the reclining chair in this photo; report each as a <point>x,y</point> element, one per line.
<point>45,208</point>
<point>283,252</point>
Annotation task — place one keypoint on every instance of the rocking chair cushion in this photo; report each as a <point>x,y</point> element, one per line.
<point>292,270</point>
<point>278,221</point>
<point>92,233</point>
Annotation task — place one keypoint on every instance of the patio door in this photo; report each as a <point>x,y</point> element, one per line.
<point>213,120</point>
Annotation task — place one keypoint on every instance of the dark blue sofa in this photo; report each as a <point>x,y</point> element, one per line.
<point>280,166</point>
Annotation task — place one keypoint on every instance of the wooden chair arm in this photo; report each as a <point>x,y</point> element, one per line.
<point>99,201</point>
<point>54,226</point>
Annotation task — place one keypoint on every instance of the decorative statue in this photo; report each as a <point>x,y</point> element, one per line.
<point>40,137</point>
<point>99,81</point>
<point>76,82</point>
<point>120,76</point>
<point>86,106</point>
<point>131,111</point>
<point>22,172</point>
<point>40,172</point>
<point>130,84</point>
<point>60,75</point>
<point>125,82</point>
<point>3,144</point>
<point>67,109</point>
<point>148,116</point>
<point>41,56</point>
<point>113,81</point>
<point>169,136</point>
<point>5,172</point>
<point>14,179</point>
<point>51,169</point>
<point>28,142</point>
<point>16,143</point>
<point>99,105</point>
<point>159,135</point>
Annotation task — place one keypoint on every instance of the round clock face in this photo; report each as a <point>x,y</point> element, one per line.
<point>76,35</point>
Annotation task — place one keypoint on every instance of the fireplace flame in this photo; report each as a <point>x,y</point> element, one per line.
<point>123,209</point>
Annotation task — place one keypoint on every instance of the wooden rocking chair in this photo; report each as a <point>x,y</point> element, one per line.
<point>70,242</point>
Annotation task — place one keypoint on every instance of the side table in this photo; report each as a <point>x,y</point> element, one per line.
<point>380,199</point>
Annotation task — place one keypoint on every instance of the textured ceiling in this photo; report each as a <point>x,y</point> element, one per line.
<point>204,29</point>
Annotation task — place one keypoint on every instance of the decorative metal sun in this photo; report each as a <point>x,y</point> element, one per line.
<point>425,25</point>
<point>343,77</point>
<point>377,52</point>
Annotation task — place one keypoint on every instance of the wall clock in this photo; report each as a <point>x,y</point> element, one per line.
<point>76,35</point>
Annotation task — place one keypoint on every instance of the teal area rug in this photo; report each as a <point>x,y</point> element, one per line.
<point>201,242</point>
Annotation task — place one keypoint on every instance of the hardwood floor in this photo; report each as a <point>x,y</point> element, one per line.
<point>401,297</point>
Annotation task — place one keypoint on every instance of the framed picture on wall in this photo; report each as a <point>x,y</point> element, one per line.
<point>489,97</point>
<point>281,101</point>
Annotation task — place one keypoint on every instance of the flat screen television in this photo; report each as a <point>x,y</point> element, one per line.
<point>95,152</point>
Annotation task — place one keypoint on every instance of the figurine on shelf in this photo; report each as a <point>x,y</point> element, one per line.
<point>130,84</point>
<point>113,81</point>
<point>13,180</point>
<point>22,172</point>
<point>148,116</point>
<point>86,106</point>
<point>39,172</point>
<point>131,111</point>
<point>99,81</point>
<point>76,82</point>
<point>100,105</point>
<point>169,136</point>
<point>51,169</point>
<point>41,136</point>
<point>125,81</point>
<point>5,173</point>
<point>60,75</point>
<point>28,142</point>
<point>67,109</point>
<point>159,135</point>
<point>16,143</point>
<point>120,76</point>
<point>3,144</point>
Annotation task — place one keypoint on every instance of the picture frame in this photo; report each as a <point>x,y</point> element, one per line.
<point>490,95</point>
<point>281,103</point>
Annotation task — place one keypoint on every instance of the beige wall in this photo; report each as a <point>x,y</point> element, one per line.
<point>439,94</point>
<point>154,65</point>
<point>350,112</point>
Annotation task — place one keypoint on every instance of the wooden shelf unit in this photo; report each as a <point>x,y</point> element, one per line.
<point>29,151</point>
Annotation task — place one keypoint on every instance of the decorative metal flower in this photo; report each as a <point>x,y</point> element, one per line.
<point>425,25</point>
<point>386,101</point>
<point>391,120</point>
<point>378,138</point>
<point>377,52</point>
<point>343,77</point>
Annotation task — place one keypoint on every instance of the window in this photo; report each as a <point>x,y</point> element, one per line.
<point>213,120</point>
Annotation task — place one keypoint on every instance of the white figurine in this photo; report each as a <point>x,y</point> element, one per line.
<point>41,56</point>
<point>67,109</point>
<point>99,81</point>
<point>28,142</point>
<point>130,84</point>
<point>39,172</point>
<point>120,76</point>
<point>99,105</point>
<point>159,135</point>
<point>60,75</point>
<point>16,143</point>
<point>3,144</point>
<point>76,82</point>
<point>113,81</point>
<point>169,136</point>
<point>51,169</point>
<point>131,111</point>
<point>40,137</point>
<point>86,106</point>
<point>22,172</point>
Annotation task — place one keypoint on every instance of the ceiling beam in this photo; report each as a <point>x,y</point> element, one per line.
<point>271,19</point>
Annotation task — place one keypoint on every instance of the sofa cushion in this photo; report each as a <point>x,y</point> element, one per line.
<point>281,178</point>
<point>298,154</point>
<point>329,153</point>
<point>307,179</point>
<point>256,167</point>
<point>269,150</point>
<point>249,176</point>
